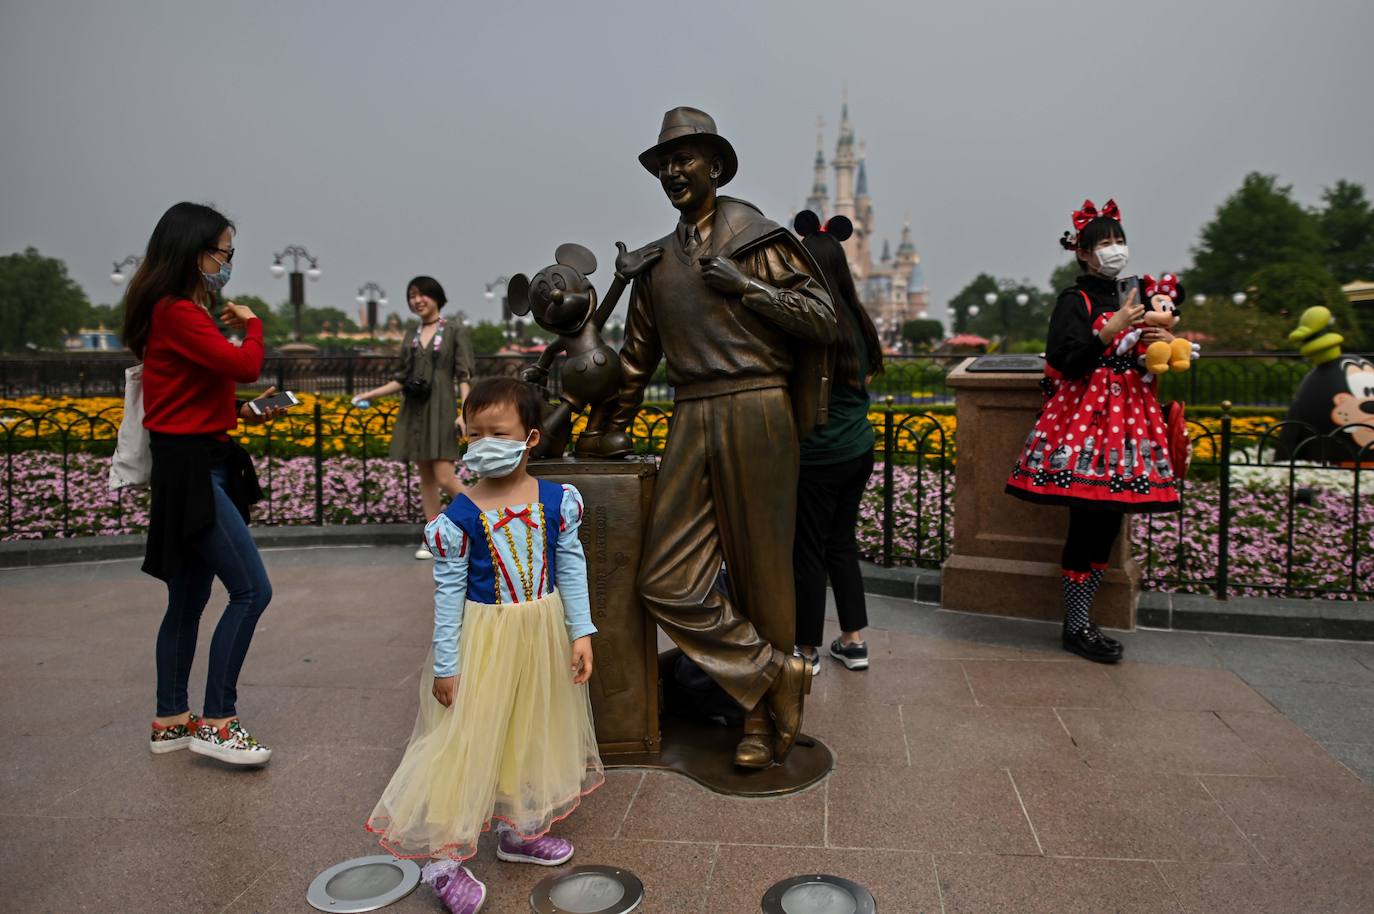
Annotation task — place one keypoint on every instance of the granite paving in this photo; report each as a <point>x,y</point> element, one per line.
<point>979,768</point>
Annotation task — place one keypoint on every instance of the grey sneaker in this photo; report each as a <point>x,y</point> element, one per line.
<point>853,656</point>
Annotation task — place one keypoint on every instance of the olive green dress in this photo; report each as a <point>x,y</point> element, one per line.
<point>425,431</point>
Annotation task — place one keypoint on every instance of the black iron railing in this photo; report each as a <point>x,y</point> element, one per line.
<point>1252,523</point>
<point>1243,378</point>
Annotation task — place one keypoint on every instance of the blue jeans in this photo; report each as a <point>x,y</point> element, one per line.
<point>226,550</point>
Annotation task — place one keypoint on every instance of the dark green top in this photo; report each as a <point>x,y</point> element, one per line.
<point>847,434</point>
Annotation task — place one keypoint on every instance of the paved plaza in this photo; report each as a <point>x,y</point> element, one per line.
<point>979,768</point>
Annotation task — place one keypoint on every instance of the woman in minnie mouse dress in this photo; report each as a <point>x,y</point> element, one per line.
<point>1100,445</point>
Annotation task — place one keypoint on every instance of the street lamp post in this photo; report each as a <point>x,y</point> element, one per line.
<point>502,283</point>
<point>992,298</point>
<point>371,295</point>
<point>117,275</point>
<point>297,254</point>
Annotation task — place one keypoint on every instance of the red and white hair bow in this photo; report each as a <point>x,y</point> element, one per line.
<point>1081,217</point>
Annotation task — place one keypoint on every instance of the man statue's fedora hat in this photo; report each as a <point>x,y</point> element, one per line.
<point>682,124</point>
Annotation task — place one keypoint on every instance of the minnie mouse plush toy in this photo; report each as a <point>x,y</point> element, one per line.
<point>1163,297</point>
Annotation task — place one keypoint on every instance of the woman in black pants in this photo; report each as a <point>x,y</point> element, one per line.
<point>836,462</point>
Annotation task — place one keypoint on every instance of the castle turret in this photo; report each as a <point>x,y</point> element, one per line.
<point>845,164</point>
<point>820,194</point>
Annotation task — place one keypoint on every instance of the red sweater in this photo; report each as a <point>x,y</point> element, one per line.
<point>190,370</point>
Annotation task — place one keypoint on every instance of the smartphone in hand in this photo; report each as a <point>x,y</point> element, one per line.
<point>286,399</point>
<point>1124,286</point>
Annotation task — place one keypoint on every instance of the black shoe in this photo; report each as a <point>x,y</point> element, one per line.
<point>853,656</point>
<point>1090,644</point>
<point>813,659</point>
<point>1106,639</point>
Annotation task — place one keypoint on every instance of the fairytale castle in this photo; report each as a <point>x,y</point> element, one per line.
<point>893,288</point>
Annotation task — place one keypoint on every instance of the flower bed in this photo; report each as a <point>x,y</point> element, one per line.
<point>379,491</point>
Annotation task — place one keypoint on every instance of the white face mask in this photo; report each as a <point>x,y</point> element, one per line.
<point>494,457</point>
<point>1111,260</point>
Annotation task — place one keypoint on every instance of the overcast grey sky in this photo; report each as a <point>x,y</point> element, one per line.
<point>468,140</point>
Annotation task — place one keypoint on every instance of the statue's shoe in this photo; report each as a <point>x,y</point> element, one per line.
<point>786,700</point>
<point>754,752</point>
<point>604,445</point>
<point>756,749</point>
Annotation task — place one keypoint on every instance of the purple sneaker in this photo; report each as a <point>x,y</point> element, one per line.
<point>456,887</point>
<point>545,851</point>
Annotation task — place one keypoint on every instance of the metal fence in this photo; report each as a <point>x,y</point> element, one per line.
<point>1251,523</point>
<point>1243,378</point>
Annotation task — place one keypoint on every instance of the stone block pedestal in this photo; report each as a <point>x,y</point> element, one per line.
<point>624,685</point>
<point>1006,555</point>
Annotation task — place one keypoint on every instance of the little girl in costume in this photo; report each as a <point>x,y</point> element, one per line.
<point>505,729</point>
<point>1100,445</point>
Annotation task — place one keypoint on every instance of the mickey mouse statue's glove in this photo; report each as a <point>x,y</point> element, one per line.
<point>629,264</point>
<point>534,374</point>
<point>1196,351</point>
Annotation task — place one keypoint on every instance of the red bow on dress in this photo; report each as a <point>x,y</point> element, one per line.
<point>1089,212</point>
<point>523,514</point>
<point>1165,285</point>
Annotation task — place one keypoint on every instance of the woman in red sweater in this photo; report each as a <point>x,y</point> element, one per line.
<point>203,483</point>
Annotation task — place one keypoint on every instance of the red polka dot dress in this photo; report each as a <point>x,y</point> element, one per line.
<point>1101,440</point>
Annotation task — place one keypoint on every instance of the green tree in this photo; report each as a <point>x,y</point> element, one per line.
<point>488,338</point>
<point>1065,276</point>
<point>1347,227</point>
<point>1006,320</point>
<point>1221,325</point>
<point>970,296</point>
<point>1289,289</point>
<point>39,303</point>
<point>111,317</point>
<point>922,334</point>
<point>1260,224</point>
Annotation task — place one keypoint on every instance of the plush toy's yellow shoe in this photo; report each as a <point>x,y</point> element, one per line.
<point>1157,356</point>
<point>1180,355</point>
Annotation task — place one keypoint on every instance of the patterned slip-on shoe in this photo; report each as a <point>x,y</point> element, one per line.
<point>545,851</point>
<point>853,656</point>
<point>230,743</point>
<point>455,885</point>
<point>173,736</point>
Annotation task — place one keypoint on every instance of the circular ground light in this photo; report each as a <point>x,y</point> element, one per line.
<point>363,884</point>
<point>588,890</point>
<point>818,895</point>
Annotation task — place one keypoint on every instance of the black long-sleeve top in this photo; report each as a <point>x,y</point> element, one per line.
<point>1073,347</point>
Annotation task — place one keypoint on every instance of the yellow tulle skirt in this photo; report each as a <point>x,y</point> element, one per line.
<point>516,746</point>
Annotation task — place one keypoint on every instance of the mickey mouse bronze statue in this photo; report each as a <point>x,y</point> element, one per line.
<point>564,302</point>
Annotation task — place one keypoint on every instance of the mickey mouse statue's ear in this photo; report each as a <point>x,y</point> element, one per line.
<point>839,227</point>
<point>518,294</point>
<point>577,257</point>
<point>806,223</point>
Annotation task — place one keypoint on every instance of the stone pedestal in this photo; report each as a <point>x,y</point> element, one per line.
<point>624,684</point>
<point>1006,555</point>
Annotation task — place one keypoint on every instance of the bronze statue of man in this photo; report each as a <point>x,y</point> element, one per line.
<point>735,307</point>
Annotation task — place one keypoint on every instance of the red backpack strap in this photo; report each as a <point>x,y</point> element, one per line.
<point>1088,302</point>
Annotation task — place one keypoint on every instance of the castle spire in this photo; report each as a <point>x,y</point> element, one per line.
<point>818,201</point>
<point>861,185</point>
<point>906,246</point>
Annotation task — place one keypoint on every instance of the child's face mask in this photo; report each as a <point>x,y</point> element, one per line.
<point>495,457</point>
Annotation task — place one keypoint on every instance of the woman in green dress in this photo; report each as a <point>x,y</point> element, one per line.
<point>436,358</point>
